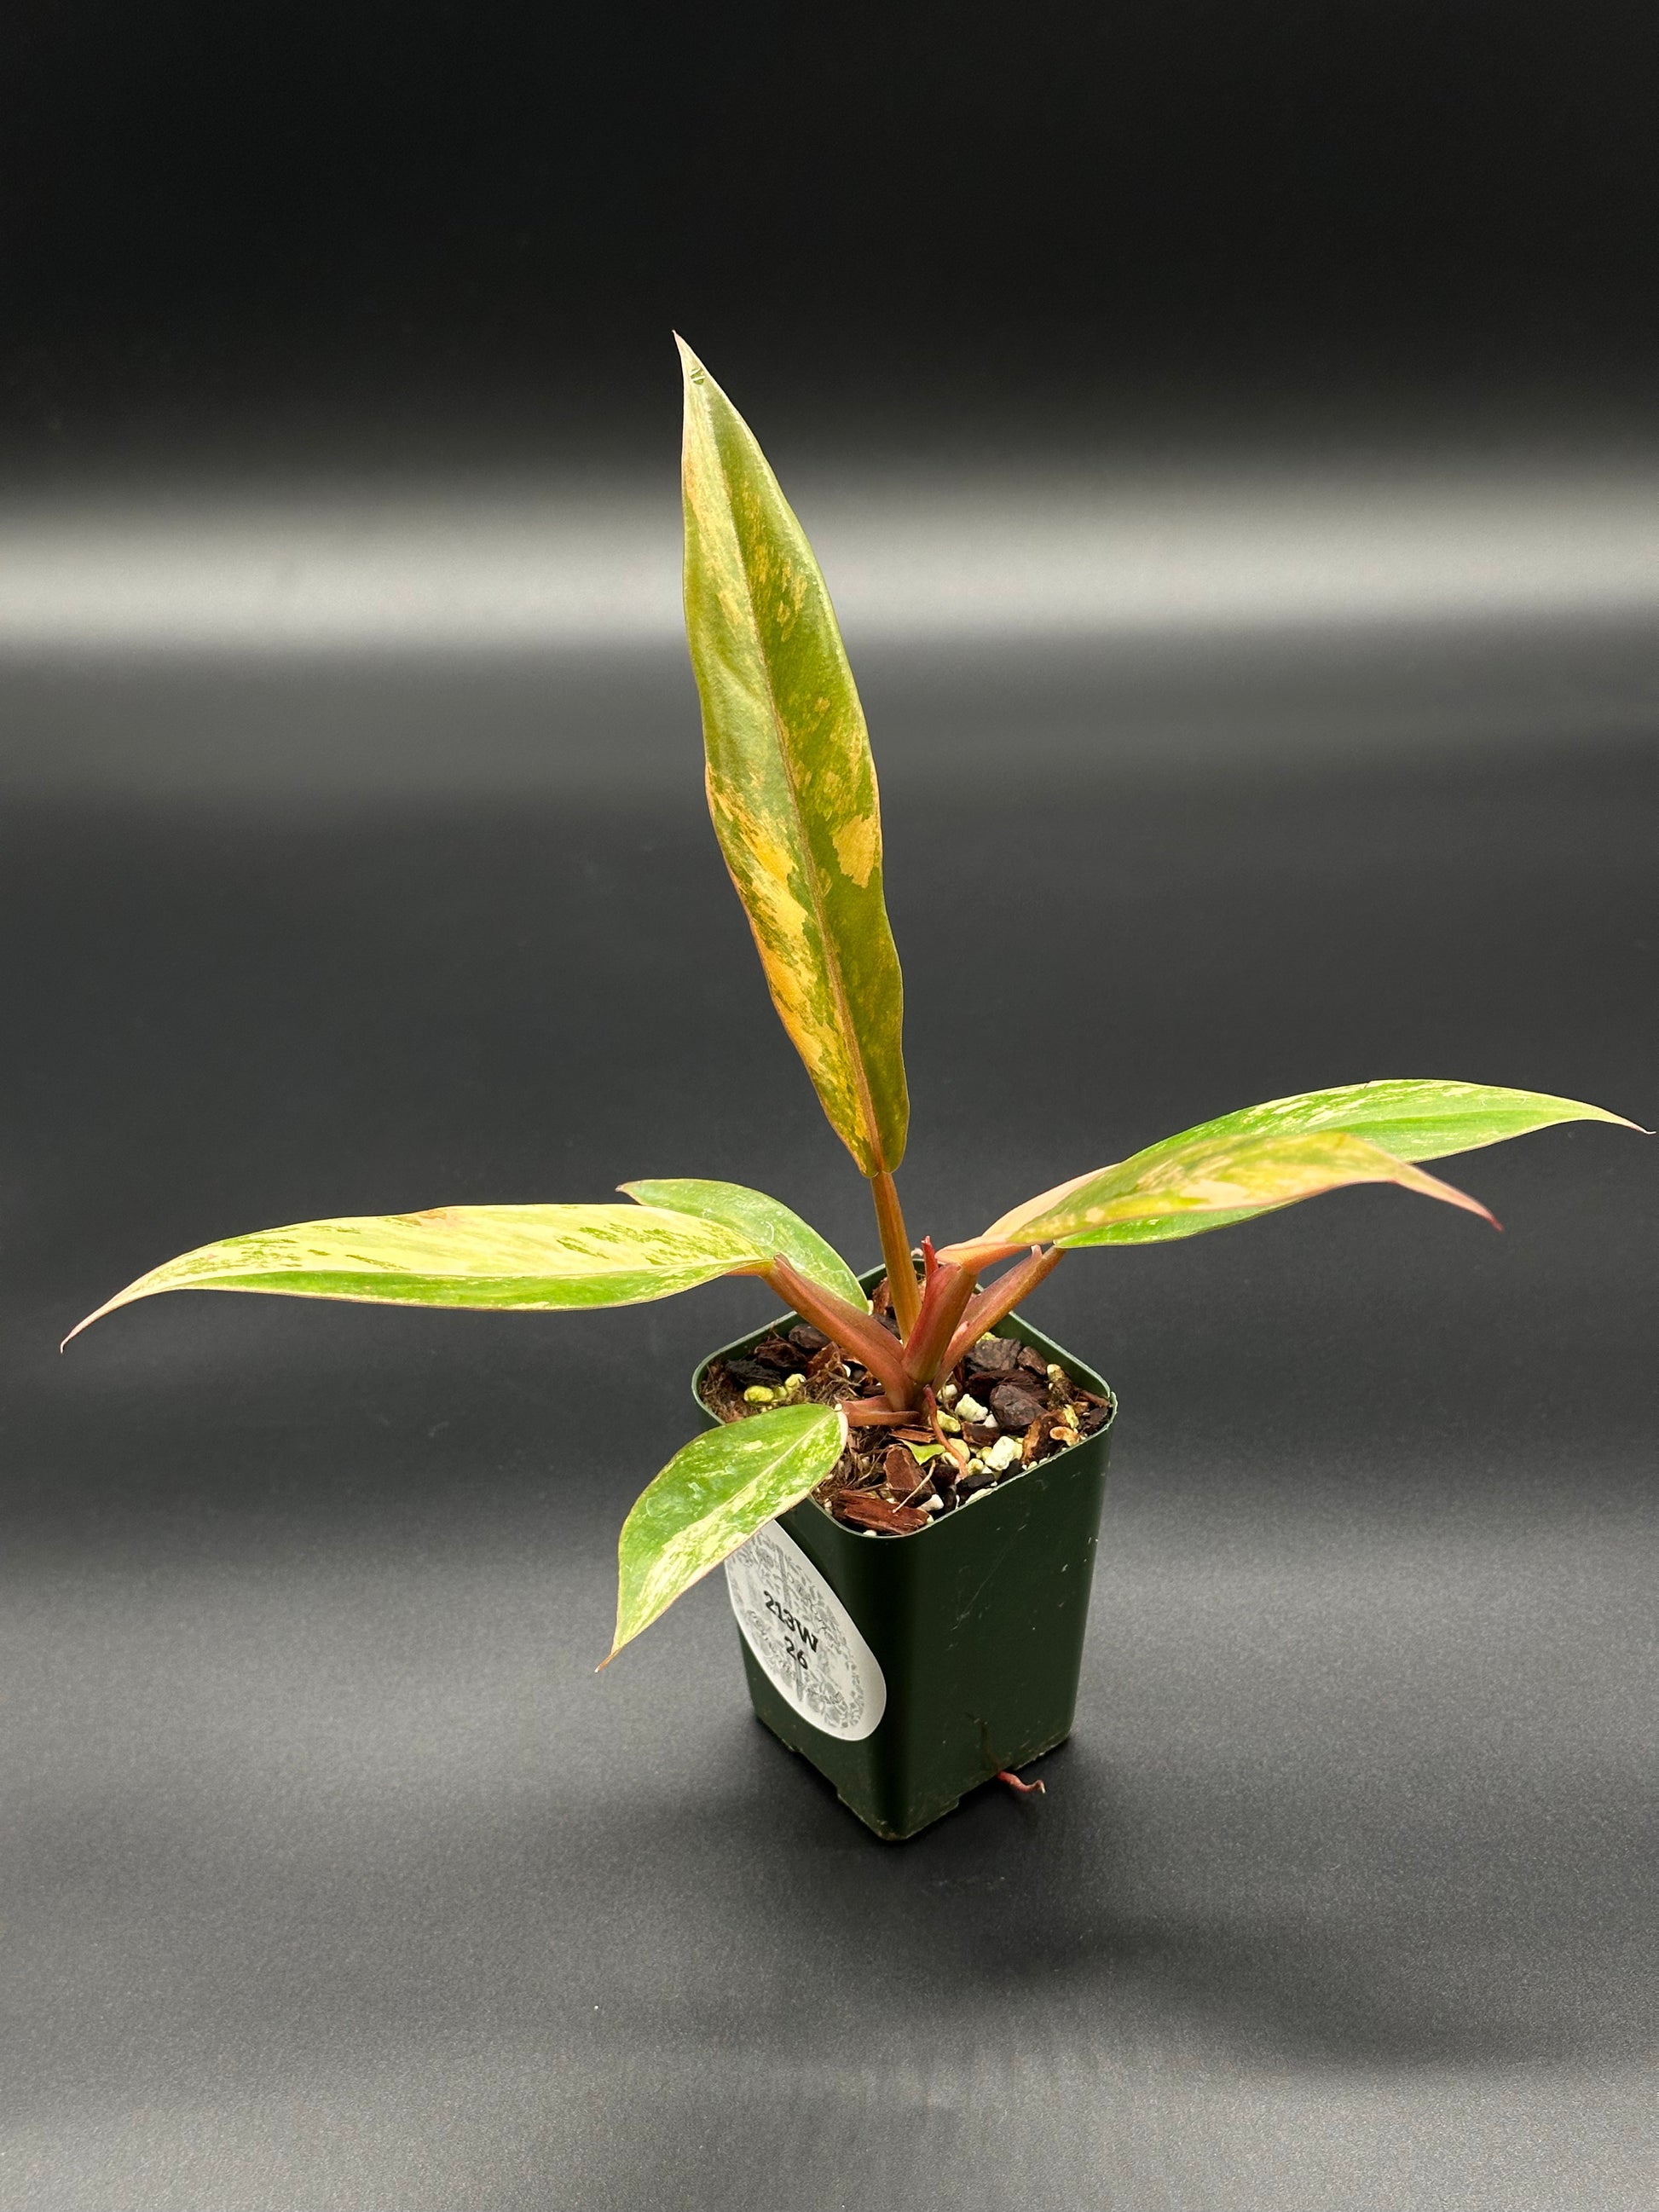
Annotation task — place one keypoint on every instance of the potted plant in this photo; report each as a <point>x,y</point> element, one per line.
<point>903,1478</point>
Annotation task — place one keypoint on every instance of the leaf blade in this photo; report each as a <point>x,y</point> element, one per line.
<point>1408,1118</point>
<point>714,1494</point>
<point>1231,1175</point>
<point>766,1223</point>
<point>530,1258</point>
<point>791,782</point>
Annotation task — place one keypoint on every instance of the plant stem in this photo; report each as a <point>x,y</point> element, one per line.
<point>857,1334</point>
<point>944,1302</point>
<point>997,1300</point>
<point>896,1251</point>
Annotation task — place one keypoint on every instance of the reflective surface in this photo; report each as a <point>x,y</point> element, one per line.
<point>1228,433</point>
<point>334,1876</point>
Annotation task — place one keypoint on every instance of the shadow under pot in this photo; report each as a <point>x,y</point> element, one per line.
<point>908,1670</point>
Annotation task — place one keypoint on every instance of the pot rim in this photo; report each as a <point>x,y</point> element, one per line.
<point>869,1278</point>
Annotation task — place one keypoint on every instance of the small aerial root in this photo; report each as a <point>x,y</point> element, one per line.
<point>1025,1789</point>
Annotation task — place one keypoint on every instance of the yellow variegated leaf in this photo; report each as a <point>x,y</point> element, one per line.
<point>1406,1118</point>
<point>531,1257</point>
<point>792,786</point>
<point>1217,1176</point>
<point>712,1494</point>
<point>767,1224</point>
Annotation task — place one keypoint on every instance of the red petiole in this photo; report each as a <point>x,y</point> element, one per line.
<point>952,1315</point>
<point>997,1300</point>
<point>943,1301</point>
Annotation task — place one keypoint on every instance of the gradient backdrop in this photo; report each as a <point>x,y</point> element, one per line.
<point>1228,433</point>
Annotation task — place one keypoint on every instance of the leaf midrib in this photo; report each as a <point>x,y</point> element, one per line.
<point>855,1047</point>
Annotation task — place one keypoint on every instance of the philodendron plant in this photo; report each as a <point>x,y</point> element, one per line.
<point>792,788</point>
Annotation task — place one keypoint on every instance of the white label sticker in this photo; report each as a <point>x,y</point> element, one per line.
<point>804,1636</point>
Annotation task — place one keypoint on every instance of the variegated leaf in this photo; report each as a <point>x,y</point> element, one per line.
<point>792,786</point>
<point>713,1494</point>
<point>1410,1119</point>
<point>1227,1174</point>
<point>765,1222</point>
<point>532,1257</point>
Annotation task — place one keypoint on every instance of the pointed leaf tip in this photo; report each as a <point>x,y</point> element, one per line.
<point>790,783</point>
<point>1175,1189</point>
<point>524,1258</point>
<point>126,1297</point>
<point>1401,1119</point>
<point>713,1494</point>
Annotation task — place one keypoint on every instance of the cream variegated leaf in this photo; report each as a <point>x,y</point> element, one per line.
<point>712,1495</point>
<point>1404,1119</point>
<point>533,1258</point>
<point>790,783</point>
<point>767,1224</point>
<point>1227,1174</point>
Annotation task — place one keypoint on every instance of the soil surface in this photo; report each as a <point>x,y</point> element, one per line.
<point>1004,1408</point>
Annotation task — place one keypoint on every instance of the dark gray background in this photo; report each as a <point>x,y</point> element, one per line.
<point>333,1874</point>
<point>1291,369</point>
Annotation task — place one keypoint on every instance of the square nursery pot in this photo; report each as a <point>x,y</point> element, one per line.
<point>909,1669</point>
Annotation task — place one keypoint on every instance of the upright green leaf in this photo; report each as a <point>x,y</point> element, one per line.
<point>712,1494</point>
<point>535,1257</point>
<point>1409,1118</point>
<point>762,1221</point>
<point>792,786</point>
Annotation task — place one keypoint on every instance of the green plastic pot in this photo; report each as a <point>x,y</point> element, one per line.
<point>909,1669</point>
